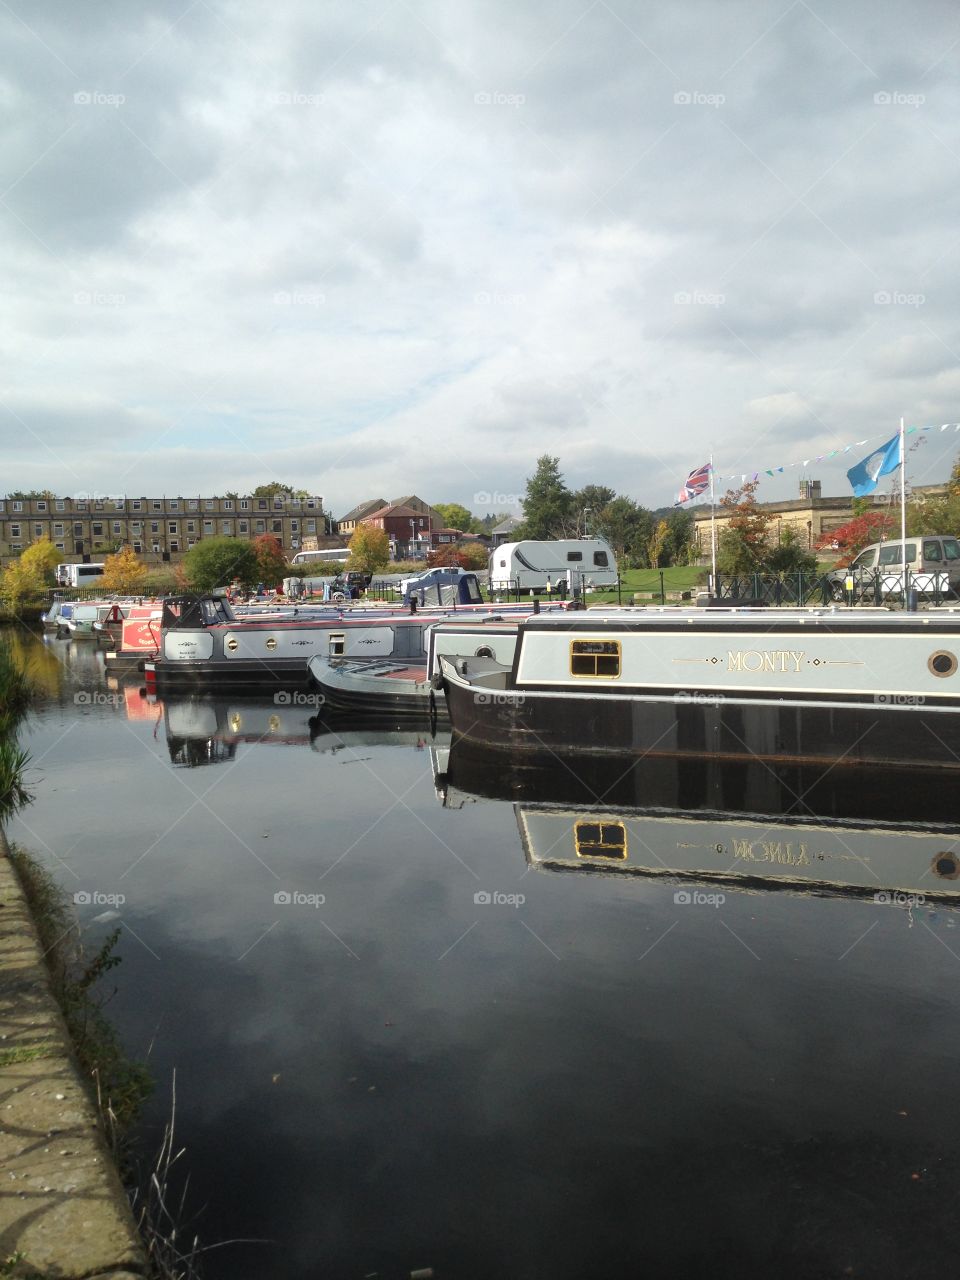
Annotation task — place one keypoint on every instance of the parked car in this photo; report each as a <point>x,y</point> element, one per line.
<point>933,561</point>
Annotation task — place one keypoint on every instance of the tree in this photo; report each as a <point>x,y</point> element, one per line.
<point>548,505</point>
<point>850,538</point>
<point>743,546</point>
<point>954,482</point>
<point>679,546</point>
<point>468,555</point>
<point>274,488</point>
<point>369,549</point>
<point>40,559</point>
<point>627,527</point>
<point>124,572</point>
<point>588,504</point>
<point>455,516</point>
<point>216,562</point>
<point>18,584</point>
<point>656,542</point>
<point>271,562</point>
<point>934,515</point>
<point>791,556</point>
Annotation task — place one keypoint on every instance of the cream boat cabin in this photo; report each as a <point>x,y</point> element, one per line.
<point>846,686</point>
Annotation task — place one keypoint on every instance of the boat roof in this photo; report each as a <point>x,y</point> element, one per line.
<point>756,620</point>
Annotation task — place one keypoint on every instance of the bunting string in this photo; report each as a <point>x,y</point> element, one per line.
<point>744,476</point>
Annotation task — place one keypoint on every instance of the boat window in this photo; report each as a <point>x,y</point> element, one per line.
<point>600,559</point>
<point>931,551</point>
<point>600,840</point>
<point>596,658</point>
<point>473,591</point>
<point>951,549</point>
<point>575,555</point>
<point>336,644</point>
<point>892,553</point>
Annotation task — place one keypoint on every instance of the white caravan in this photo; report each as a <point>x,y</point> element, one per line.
<point>537,566</point>
<point>79,575</point>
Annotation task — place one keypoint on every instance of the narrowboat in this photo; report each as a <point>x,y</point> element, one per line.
<point>824,686</point>
<point>372,684</point>
<point>206,648</point>
<point>139,638</point>
<point>406,685</point>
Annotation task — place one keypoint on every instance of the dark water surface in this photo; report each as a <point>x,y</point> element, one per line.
<point>595,1081</point>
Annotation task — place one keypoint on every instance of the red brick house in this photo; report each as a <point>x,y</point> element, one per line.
<point>409,531</point>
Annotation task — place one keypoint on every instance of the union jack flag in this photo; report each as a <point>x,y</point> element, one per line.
<point>697,481</point>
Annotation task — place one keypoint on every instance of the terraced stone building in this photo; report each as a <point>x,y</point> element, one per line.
<point>160,530</point>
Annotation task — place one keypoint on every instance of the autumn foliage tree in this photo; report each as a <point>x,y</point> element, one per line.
<point>369,549</point>
<point>743,546</point>
<point>470,555</point>
<point>850,538</point>
<point>40,561</point>
<point>124,572</point>
<point>27,576</point>
<point>271,562</point>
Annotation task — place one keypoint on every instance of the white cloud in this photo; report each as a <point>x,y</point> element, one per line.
<point>413,248</point>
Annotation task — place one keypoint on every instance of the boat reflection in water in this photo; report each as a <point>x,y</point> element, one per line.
<point>209,732</point>
<point>882,836</point>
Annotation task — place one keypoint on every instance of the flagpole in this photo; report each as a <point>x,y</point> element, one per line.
<point>713,531</point>
<point>903,512</point>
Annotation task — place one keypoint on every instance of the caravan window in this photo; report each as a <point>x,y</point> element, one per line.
<point>574,555</point>
<point>600,559</point>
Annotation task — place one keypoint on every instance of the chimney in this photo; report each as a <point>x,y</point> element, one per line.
<point>810,489</point>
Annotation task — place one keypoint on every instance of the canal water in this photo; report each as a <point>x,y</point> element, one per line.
<point>407,1034</point>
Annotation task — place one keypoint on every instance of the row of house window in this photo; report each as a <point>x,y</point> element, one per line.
<point>172,504</point>
<point>136,526</point>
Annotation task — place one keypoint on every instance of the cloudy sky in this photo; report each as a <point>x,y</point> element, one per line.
<point>382,246</point>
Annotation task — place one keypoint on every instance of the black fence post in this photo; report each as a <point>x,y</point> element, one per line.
<point>663,598</point>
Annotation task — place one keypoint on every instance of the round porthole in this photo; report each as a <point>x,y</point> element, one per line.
<point>942,663</point>
<point>272,642</point>
<point>946,866</point>
<point>232,643</point>
<point>484,651</point>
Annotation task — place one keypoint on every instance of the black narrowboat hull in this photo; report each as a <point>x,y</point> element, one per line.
<point>257,676</point>
<point>568,725</point>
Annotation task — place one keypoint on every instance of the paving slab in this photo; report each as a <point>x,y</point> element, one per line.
<point>62,1205</point>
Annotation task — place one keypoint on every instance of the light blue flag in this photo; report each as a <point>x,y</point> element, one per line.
<point>866,474</point>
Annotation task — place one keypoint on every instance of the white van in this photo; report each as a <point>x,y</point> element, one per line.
<point>535,566</point>
<point>933,561</point>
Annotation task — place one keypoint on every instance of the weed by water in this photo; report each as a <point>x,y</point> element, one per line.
<point>121,1084</point>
